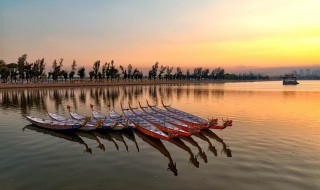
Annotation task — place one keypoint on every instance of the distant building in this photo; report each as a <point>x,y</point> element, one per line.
<point>301,73</point>
<point>295,73</point>
<point>308,72</point>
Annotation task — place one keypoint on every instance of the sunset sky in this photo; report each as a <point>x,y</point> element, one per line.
<point>187,33</point>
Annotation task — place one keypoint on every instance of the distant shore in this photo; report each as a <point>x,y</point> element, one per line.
<point>112,83</point>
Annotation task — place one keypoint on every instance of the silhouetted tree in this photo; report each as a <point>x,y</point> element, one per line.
<point>197,72</point>
<point>178,73</point>
<point>96,67</point>
<point>91,75</point>
<point>73,70</point>
<point>161,71</point>
<point>124,72</point>
<point>129,71</point>
<point>21,66</point>
<point>205,73</point>
<point>4,71</point>
<point>13,71</point>
<point>65,75</point>
<point>169,72</point>
<point>81,73</point>
<point>56,69</point>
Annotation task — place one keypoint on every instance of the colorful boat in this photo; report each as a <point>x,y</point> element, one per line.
<point>170,120</point>
<point>87,127</point>
<point>161,124</point>
<point>104,124</point>
<point>54,125</point>
<point>202,123</point>
<point>117,118</point>
<point>144,126</point>
<point>178,117</point>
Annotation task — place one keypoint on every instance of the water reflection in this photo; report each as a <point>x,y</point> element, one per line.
<point>194,143</point>
<point>91,136</point>
<point>210,146</point>
<point>157,144</point>
<point>34,101</point>
<point>57,98</point>
<point>114,136</point>
<point>225,148</point>
<point>179,143</point>
<point>66,136</point>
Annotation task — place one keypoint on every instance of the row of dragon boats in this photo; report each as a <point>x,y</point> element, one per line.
<point>151,120</point>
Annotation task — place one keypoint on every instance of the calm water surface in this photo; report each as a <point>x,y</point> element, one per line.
<point>274,143</point>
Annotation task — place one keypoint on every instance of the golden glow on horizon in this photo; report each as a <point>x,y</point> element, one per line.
<point>266,33</point>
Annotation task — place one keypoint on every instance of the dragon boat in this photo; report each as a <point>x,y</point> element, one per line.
<point>144,126</point>
<point>54,125</point>
<point>87,127</point>
<point>178,117</point>
<point>105,124</point>
<point>204,124</point>
<point>113,116</point>
<point>170,120</point>
<point>161,124</point>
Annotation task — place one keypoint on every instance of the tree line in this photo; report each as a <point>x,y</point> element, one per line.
<point>24,71</point>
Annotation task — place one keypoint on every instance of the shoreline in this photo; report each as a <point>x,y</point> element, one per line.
<point>76,84</point>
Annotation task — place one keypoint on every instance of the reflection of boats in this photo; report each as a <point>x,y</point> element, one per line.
<point>156,143</point>
<point>210,146</point>
<point>117,118</point>
<point>107,136</point>
<point>54,125</point>
<point>87,127</point>
<point>105,124</point>
<point>201,123</point>
<point>91,136</point>
<point>170,120</point>
<point>144,126</point>
<point>67,136</point>
<point>201,153</point>
<point>161,124</point>
<point>118,136</point>
<point>214,136</point>
<point>129,135</point>
<point>179,143</point>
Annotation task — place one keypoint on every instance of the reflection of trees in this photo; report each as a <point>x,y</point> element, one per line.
<point>94,95</point>
<point>217,93</point>
<point>179,91</point>
<point>23,99</point>
<point>153,93</point>
<point>201,93</point>
<point>82,96</point>
<point>58,98</point>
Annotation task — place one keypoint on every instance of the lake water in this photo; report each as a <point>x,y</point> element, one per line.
<point>273,144</point>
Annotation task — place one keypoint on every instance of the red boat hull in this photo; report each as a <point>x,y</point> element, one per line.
<point>150,133</point>
<point>186,134</point>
